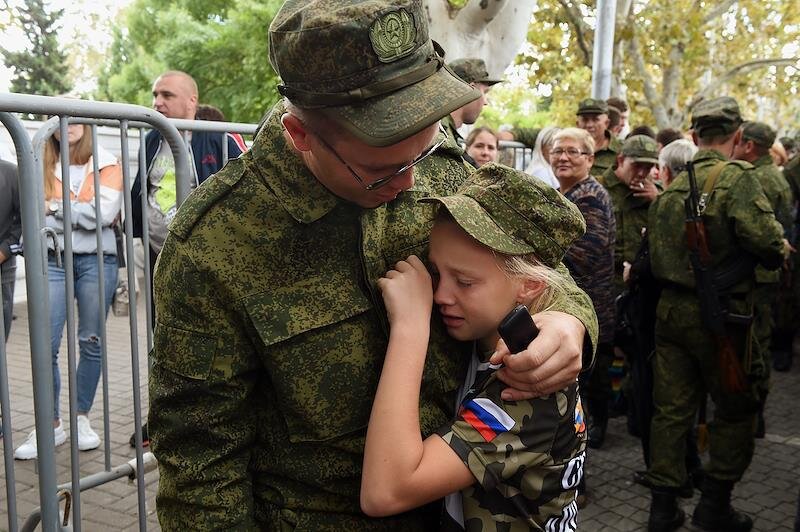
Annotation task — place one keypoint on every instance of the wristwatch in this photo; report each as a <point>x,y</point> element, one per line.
<point>52,207</point>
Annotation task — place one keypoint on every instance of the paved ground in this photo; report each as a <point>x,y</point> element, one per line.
<point>769,490</point>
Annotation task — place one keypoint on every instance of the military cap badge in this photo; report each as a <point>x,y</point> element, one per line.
<point>393,36</point>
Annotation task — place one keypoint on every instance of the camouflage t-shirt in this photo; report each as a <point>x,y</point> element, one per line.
<point>527,458</point>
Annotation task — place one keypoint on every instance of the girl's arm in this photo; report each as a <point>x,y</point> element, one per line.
<point>401,471</point>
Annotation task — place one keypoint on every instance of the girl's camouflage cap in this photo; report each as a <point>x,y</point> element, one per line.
<point>515,214</point>
<point>368,65</point>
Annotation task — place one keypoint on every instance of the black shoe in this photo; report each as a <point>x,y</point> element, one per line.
<point>684,492</point>
<point>714,511</point>
<point>782,360</point>
<point>145,437</point>
<point>596,432</point>
<point>665,514</point>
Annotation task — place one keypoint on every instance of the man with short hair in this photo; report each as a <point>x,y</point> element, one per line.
<point>740,227</point>
<point>623,128</point>
<point>174,96</point>
<point>757,137</point>
<point>270,329</point>
<point>472,71</point>
<point>593,117</point>
<point>672,159</point>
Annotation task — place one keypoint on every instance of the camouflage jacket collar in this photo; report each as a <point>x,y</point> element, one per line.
<point>765,160</point>
<point>299,192</point>
<point>610,179</point>
<point>706,154</point>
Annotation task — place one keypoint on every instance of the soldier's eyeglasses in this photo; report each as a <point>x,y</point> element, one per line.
<point>572,153</point>
<point>378,183</point>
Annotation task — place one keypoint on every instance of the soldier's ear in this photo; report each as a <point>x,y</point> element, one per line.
<point>297,131</point>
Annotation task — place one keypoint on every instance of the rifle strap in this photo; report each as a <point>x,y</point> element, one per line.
<point>708,186</point>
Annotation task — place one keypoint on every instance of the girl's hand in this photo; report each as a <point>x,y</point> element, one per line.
<point>407,291</point>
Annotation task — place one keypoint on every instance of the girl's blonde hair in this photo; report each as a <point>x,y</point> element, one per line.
<point>80,154</point>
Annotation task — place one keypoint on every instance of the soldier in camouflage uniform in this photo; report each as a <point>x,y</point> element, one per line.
<point>593,117</point>
<point>472,71</point>
<point>631,195</point>
<point>517,462</point>
<point>757,138</point>
<point>270,331</point>
<point>739,223</point>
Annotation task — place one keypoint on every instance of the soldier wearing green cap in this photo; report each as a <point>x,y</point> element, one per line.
<point>496,243</point>
<point>270,329</point>
<point>592,116</point>
<point>632,191</point>
<point>473,71</point>
<point>741,230</point>
<point>757,138</point>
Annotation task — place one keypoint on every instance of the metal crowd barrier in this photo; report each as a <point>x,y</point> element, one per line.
<point>35,238</point>
<point>514,154</point>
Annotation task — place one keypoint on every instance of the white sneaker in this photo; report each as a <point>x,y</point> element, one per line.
<point>87,438</point>
<point>27,450</point>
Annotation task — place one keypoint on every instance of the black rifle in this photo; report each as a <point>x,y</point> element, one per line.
<point>714,315</point>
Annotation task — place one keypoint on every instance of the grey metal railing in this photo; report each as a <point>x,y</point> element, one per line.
<point>35,235</point>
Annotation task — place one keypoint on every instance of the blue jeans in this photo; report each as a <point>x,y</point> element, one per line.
<point>90,321</point>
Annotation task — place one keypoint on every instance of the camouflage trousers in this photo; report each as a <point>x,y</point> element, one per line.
<point>685,368</point>
<point>764,310</point>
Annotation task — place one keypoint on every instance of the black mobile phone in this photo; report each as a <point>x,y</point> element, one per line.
<point>517,329</point>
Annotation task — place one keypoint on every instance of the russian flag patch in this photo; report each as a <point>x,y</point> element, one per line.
<point>486,417</point>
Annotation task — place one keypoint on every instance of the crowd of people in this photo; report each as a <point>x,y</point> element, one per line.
<point>326,348</point>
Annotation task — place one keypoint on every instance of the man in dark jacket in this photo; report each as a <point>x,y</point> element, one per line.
<point>175,96</point>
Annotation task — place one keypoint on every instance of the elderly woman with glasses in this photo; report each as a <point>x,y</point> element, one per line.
<point>590,261</point>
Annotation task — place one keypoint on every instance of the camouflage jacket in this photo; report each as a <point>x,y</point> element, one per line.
<point>777,190</point>
<point>738,219</point>
<point>607,157</point>
<point>630,214</point>
<point>527,458</point>
<point>269,343</point>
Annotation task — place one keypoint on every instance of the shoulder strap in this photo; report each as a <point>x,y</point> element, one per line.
<point>708,187</point>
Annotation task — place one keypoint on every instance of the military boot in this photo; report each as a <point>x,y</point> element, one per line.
<point>665,515</point>
<point>714,511</point>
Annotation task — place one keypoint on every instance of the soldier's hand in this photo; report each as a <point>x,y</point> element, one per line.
<point>551,362</point>
<point>407,291</point>
<point>644,188</point>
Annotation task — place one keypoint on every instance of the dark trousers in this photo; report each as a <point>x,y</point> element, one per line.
<point>8,272</point>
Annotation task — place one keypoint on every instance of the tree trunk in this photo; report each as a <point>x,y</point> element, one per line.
<point>492,30</point>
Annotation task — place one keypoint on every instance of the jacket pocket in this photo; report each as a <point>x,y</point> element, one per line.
<point>186,353</point>
<point>323,349</point>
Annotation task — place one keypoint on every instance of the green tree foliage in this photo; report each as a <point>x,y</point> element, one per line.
<point>41,67</point>
<point>223,45</point>
<point>671,53</point>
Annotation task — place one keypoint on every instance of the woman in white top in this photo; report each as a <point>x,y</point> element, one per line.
<point>85,218</point>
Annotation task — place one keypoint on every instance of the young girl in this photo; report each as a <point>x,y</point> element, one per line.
<point>495,244</point>
<point>85,268</point>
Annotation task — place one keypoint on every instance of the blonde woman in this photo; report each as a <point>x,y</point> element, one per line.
<point>85,218</point>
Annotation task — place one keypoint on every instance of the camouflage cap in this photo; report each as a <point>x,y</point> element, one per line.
<point>592,106</point>
<point>760,133</point>
<point>472,70</point>
<point>515,214</point>
<point>368,65</point>
<point>718,116</point>
<point>640,148</point>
